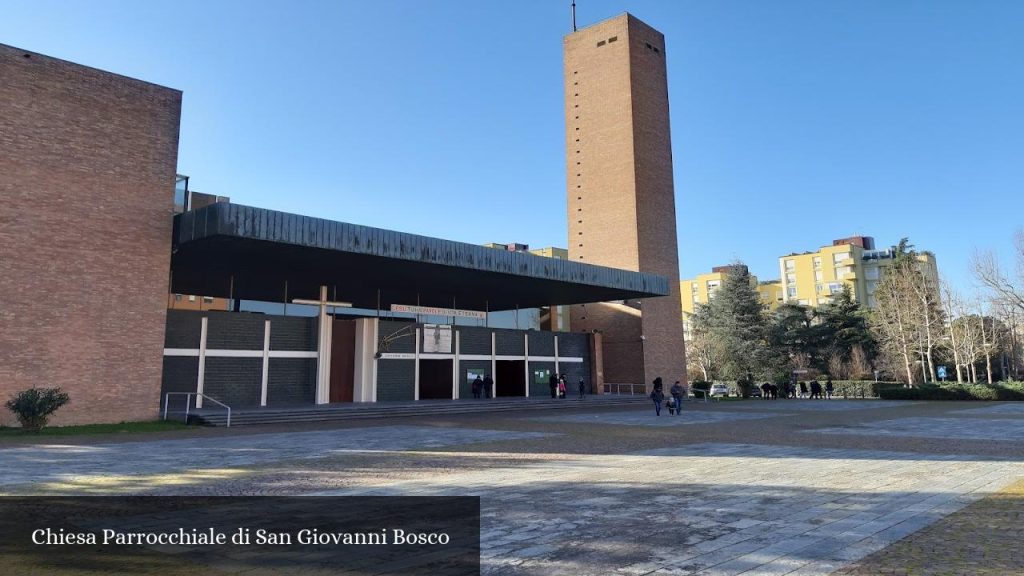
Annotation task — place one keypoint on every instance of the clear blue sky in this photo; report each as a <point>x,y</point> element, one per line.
<point>793,122</point>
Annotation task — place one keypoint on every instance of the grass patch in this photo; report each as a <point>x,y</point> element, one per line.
<point>120,428</point>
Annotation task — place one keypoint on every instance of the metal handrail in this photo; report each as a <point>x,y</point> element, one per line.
<point>618,388</point>
<point>188,403</point>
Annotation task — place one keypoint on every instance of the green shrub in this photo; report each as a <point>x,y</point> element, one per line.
<point>743,387</point>
<point>953,391</point>
<point>34,406</point>
<point>701,385</point>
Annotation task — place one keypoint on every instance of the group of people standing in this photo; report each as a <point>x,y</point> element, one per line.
<point>677,391</point>
<point>482,387</point>
<point>791,389</point>
<point>557,383</point>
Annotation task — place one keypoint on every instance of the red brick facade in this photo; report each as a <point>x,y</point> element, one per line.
<point>87,166</point>
<point>621,199</point>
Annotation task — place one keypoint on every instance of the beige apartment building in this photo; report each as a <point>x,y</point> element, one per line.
<point>620,192</point>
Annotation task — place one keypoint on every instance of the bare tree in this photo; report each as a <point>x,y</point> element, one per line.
<point>859,367</point>
<point>952,303</point>
<point>896,319</point>
<point>988,271</point>
<point>701,353</point>
<point>836,366</point>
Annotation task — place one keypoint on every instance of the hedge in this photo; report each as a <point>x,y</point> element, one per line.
<point>841,388</point>
<point>954,391</point>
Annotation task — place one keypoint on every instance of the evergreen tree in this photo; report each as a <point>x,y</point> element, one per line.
<point>736,322</point>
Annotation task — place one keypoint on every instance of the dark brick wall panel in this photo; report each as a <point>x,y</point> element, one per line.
<point>183,329</point>
<point>291,381</point>
<point>234,381</point>
<point>542,343</point>
<point>87,165</point>
<point>540,390</point>
<point>404,343</point>
<point>180,374</point>
<point>474,340</point>
<point>509,342</point>
<point>292,333</point>
<point>236,331</point>
<point>396,380</point>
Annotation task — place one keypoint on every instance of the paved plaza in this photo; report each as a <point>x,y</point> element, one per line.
<point>737,487</point>
<point>1002,430</point>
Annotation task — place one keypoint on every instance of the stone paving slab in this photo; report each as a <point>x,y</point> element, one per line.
<point>56,462</point>
<point>801,404</point>
<point>982,539</point>
<point>1002,430</point>
<point>710,508</point>
<point>648,418</point>
<point>1007,409</point>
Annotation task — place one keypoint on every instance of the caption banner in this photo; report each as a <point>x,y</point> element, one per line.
<point>436,536</point>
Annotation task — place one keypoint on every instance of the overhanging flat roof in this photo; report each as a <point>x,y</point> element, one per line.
<point>249,253</point>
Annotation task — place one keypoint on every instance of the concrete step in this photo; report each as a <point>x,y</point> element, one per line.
<point>336,412</point>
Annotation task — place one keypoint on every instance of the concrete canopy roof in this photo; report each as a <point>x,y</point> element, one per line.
<point>249,253</point>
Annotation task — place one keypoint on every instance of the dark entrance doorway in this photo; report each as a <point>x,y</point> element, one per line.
<point>343,359</point>
<point>435,379</point>
<point>508,378</point>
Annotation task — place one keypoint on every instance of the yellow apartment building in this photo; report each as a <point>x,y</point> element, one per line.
<point>814,278</point>
<point>700,289</point>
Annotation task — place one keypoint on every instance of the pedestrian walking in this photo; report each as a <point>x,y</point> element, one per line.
<point>829,388</point>
<point>561,386</point>
<point>478,385</point>
<point>553,384</point>
<point>582,388</point>
<point>488,385</point>
<point>803,389</point>
<point>658,395</point>
<point>677,392</point>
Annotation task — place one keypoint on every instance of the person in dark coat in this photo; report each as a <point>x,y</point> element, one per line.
<point>815,389</point>
<point>553,384</point>
<point>677,396</point>
<point>487,385</point>
<point>658,395</point>
<point>582,388</point>
<point>829,388</point>
<point>803,389</point>
<point>766,391</point>
<point>478,384</point>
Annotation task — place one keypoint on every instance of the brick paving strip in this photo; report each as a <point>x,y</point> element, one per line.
<point>983,539</point>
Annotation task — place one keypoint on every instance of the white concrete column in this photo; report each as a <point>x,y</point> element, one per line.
<point>323,352</point>
<point>557,371</point>
<point>416,369</point>
<point>526,355</point>
<point>202,362</point>
<point>494,367</point>
<point>266,363</point>
<point>455,366</point>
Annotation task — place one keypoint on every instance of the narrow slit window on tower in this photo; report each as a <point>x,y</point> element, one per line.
<point>613,39</point>
<point>601,43</point>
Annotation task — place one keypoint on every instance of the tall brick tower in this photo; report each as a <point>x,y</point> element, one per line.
<point>621,201</point>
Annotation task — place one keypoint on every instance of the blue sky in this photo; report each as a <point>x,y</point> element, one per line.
<point>793,122</point>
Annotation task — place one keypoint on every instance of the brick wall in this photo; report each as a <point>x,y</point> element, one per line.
<point>396,380</point>
<point>86,182</point>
